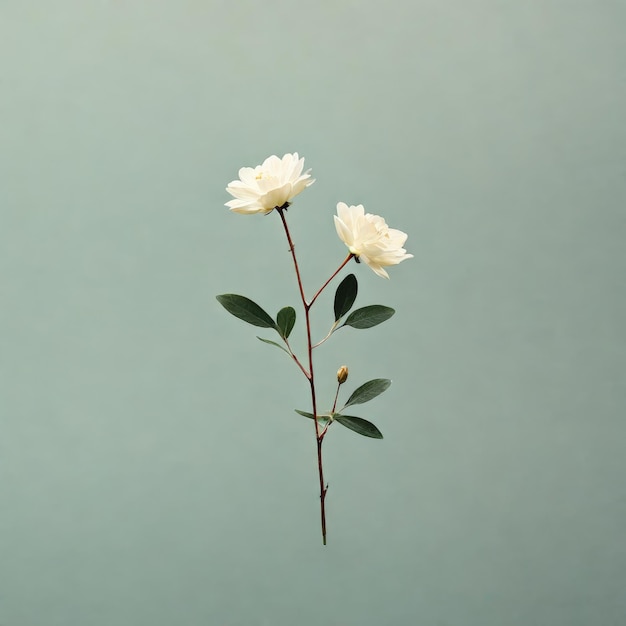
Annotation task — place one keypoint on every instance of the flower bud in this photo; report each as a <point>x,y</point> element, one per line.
<point>342,374</point>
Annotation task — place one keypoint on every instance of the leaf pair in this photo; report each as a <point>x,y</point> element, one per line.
<point>357,424</point>
<point>249,311</point>
<point>365,317</point>
<point>366,392</point>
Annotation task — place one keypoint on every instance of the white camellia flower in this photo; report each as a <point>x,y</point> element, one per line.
<point>369,238</point>
<point>274,183</point>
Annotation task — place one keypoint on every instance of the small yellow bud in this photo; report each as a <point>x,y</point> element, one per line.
<point>342,374</point>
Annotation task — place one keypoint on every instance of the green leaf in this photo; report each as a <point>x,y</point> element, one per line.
<point>246,310</point>
<point>273,343</point>
<point>369,316</point>
<point>368,391</point>
<point>345,295</point>
<point>359,425</point>
<point>322,419</point>
<point>285,320</point>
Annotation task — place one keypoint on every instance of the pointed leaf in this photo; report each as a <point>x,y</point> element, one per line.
<point>345,295</point>
<point>273,343</point>
<point>369,316</point>
<point>368,391</point>
<point>359,425</point>
<point>322,419</point>
<point>246,310</point>
<point>285,320</point>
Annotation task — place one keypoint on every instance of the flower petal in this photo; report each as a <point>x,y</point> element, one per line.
<point>275,182</point>
<point>368,237</point>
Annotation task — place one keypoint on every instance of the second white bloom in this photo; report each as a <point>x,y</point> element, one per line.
<point>369,238</point>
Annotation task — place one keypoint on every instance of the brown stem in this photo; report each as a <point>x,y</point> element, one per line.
<point>319,436</point>
<point>310,375</point>
<point>323,488</point>
<point>343,264</point>
<point>292,249</point>
<point>295,358</point>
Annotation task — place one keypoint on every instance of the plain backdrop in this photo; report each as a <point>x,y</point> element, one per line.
<point>152,470</point>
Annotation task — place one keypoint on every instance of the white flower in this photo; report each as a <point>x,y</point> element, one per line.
<point>263,188</point>
<point>369,238</point>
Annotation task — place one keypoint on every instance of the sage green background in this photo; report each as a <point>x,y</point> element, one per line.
<point>152,469</point>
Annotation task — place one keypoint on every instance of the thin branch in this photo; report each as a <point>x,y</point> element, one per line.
<point>295,358</point>
<point>336,396</point>
<point>330,332</point>
<point>343,264</point>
